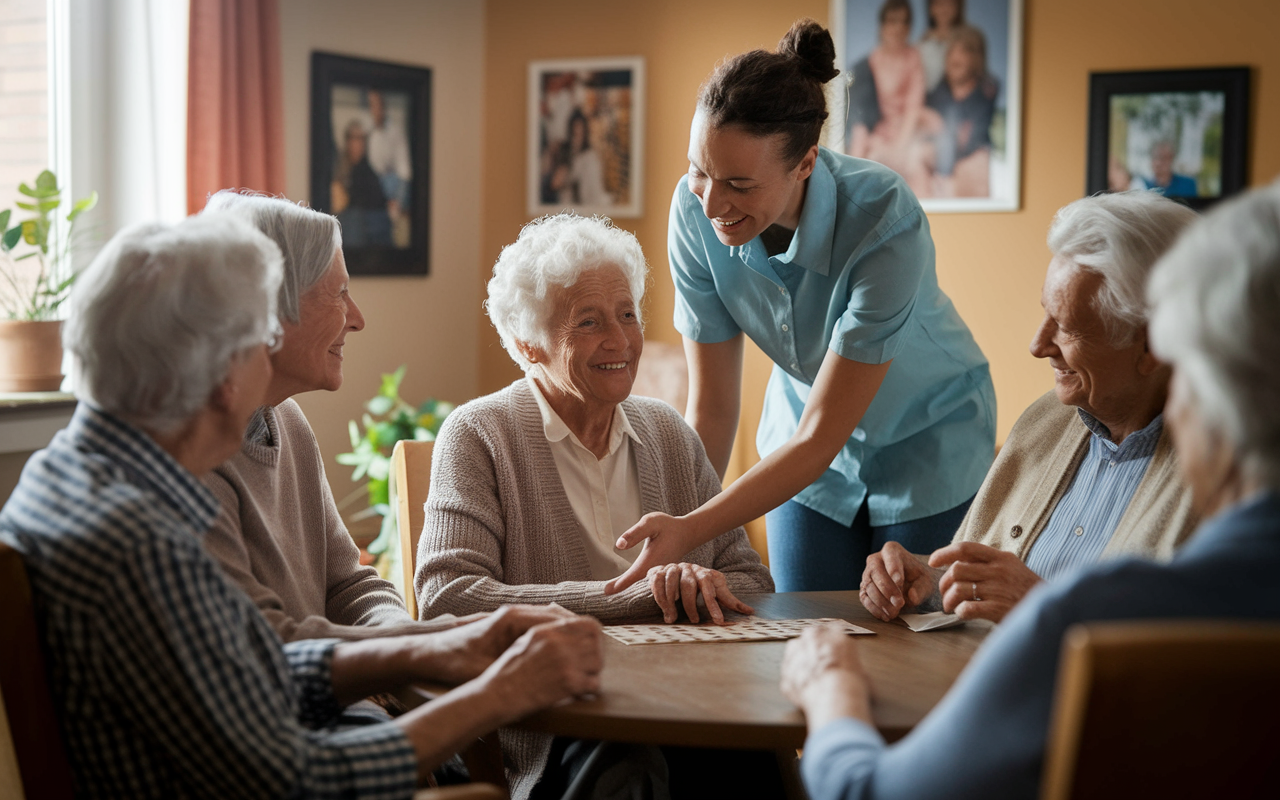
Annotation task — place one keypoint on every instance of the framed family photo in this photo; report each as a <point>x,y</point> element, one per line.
<point>371,160</point>
<point>1183,133</point>
<point>933,90</point>
<point>586,136</point>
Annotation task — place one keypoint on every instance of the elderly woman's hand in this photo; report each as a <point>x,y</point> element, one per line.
<point>665,541</point>
<point>822,674</point>
<point>689,583</point>
<point>461,653</point>
<point>981,582</point>
<point>894,579</point>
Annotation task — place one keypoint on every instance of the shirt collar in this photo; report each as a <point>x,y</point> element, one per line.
<point>1138,439</point>
<point>555,429</point>
<point>811,246</point>
<point>146,462</point>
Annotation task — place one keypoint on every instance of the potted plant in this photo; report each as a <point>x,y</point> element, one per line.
<point>35,262</point>
<point>388,419</point>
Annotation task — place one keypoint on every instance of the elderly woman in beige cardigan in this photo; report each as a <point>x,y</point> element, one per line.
<point>1088,471</point>
<point>531,486</point>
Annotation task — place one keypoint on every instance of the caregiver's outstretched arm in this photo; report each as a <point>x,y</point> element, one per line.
<point>841,394</point>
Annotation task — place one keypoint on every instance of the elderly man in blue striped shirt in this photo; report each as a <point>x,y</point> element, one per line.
<point>1088,471</point>
<point>167,679</point>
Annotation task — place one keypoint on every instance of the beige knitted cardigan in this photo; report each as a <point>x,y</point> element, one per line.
<point>1034,470</point>
<point>499,527</point>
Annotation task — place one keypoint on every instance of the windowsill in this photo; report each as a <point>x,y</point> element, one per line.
<point>28,420</point>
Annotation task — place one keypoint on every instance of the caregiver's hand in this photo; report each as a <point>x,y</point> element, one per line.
<point>668,540</point>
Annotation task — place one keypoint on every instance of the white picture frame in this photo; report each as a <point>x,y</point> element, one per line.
<point>600,100</point>
<point>929,160</point>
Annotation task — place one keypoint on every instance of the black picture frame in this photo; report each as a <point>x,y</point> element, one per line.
<point>400,245</point>
<point>1116,101</point>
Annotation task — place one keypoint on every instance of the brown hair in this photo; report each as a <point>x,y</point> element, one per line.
<point>896,5</point>
<point>959,13</point>
<point>767,93</point>
<point>973,40</point>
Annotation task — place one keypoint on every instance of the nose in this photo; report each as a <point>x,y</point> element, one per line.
<point>355,319</point>
<point>1042,342</point>
<point>714,203</point>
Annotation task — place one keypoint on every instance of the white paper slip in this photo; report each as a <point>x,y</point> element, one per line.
<point>745,629</point>
<point>930,622</point>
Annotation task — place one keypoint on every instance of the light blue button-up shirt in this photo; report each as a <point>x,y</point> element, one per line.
<point>1085,518</point>
<point>859,280</point>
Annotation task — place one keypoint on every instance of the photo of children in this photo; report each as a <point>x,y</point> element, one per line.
<point>584,137</point>
<point>931,85</point>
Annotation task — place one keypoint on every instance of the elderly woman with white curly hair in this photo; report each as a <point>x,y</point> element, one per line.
<point>1088,471</point>
<point>1213,319</point>
<point>531,486</point>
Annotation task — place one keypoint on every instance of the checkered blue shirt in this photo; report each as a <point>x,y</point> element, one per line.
<point>167,680</point>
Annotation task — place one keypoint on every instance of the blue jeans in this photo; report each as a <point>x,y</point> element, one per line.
<point>810,552</point>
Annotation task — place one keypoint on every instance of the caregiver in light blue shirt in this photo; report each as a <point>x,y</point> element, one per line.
<point>879,418</point>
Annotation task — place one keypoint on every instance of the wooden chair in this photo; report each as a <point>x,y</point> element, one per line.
<point>28,705</point>
<point>410,481</point>
<point>1166,709</point>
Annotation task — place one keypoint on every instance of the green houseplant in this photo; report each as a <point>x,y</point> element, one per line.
<point>388,418</point>
<point>35,264</point>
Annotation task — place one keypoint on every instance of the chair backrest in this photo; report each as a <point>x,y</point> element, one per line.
<point>411,474</point>
<point>28,705</point>
<point>1166,709</point>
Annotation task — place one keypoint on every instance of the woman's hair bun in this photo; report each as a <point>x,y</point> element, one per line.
<point>810,44</point>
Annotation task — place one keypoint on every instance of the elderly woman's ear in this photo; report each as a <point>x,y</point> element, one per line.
<point>1148,364</point>
<point>532,353</point>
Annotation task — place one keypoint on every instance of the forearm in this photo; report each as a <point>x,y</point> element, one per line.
<point>457,594</point>
<point>320,628</point>
<point>834,695</point>
<point>447,724</point>
<point>715,396</point>
<point>717,428</point>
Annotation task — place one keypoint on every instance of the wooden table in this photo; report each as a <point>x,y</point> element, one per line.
<point>727,695</point>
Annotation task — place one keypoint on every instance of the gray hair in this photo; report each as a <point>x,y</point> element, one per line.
<point>1214,301</point>
<point>307,239</point>
<point>159,315</point>
<point>1119,236</point>
<point>553,252</point>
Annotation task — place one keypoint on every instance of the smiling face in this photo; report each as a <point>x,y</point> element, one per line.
<point>1090,372</point>
<point>895,30</point>
<point>742,183</point>
<point>311,355</point>
<point>595,344</point>
<point>961,65</point>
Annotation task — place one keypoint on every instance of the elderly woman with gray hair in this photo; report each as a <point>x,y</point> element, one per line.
<point>1213,319</point>
<point>1088,471</point>
<point>531,486</point>
<point>279,534</point>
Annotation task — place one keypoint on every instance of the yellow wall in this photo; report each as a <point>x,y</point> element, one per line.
<point>990,264</point>
<point>428,323</point>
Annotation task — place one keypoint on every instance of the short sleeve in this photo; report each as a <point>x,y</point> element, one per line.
<point>883,289</point>
<point>700,314</point>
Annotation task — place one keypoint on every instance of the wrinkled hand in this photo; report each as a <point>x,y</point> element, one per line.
<point>998,578</point>
<point>667,539</point>
<point>688,583</point>
<point>823,675</point>
<point>893,580</point>
<point>549,663</point>
<point>468,650</point>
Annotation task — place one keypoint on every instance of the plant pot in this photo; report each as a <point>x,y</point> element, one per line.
<point>30,356</point>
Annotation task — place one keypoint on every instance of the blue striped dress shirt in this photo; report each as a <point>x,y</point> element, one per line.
<point>1087,515</point>
<point>167,679</point>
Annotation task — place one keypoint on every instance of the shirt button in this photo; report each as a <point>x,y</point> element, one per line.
<point>1113,463</point>
<point>794,365</point>
<point>785,328</point>
<point>1016,531</point>
<point>1079,531</point>
<point>782,289</point>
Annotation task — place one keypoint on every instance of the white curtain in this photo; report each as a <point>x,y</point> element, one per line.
<point>122,94</point>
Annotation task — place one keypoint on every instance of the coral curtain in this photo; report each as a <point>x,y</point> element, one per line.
<point>235,126</point>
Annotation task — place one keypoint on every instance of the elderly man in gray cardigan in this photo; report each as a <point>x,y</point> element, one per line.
<point>1088,471</point>
<point>531,486</point>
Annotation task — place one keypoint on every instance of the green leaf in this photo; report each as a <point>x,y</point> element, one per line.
<point>49,205</point>
<point>4,219</point>
<point>46,181</point>
<point>391,383</point>
<point>26,206</point>
<point>11,238</point>
<point>380,405</point>
<point>355,434</point>
<point>82,205</point>
<point>386,535</point>
<point>379,491</point>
